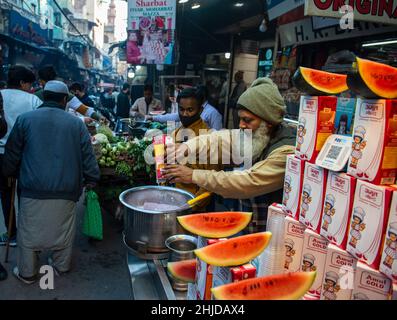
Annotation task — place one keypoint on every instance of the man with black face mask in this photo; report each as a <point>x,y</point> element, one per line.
<point>190,108</point>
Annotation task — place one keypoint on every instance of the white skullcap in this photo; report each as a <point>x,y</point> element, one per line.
<point>56,87</point>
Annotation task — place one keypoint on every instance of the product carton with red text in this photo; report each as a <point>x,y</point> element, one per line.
<point>316,124</point>
<point>388,264</point>
<point>226,275</point>
<point>368,222</point>
<point>338,203</point>
<point>204,271</point>
<point>374,147</point>
<point>340,268</point>
<point>293,241</point>
<point>312,198</point>
<point>314,255</point>
<point>293,185</point>
<point>370,284</point>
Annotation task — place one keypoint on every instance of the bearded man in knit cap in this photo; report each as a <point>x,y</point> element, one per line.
<point>51,153</point>
<point>262,110</point>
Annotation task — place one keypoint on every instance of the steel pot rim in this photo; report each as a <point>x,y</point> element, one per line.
<point>129,206</point>
<point>180,237</point>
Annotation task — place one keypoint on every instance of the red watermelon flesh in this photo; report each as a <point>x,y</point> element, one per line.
<point>289,286</point>
<point>216,225</point>
<point>234,251</point>
<point>183,270</point>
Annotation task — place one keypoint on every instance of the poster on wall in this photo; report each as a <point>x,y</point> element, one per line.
<point>151,30</point>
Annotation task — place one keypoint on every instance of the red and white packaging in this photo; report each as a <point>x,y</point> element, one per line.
<point>394,293</point>
<point>293,185</point>
<point>316,124</point>
<point>368,222</point>
<point>312,198</point>
<point>370,284</point>
<point>314,255</point>
<point>204,272</point>
<point>340,269</point>
<point>338,204</point>
<point>293,241</point>
<point>275,209</point>
<point>374,148</point>
<point>226,275</point>
<point>388,263</point>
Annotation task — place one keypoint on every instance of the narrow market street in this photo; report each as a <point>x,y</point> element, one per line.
<point>99,270</point>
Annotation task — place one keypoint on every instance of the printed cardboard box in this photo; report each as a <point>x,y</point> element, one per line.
<point>226,275</point>
<point>344,119</point>
<point>314,255</point>
<point>388,263</point>
<point>293,241</point>
<point>316,124</point>
<point>374,147</point>
<point>204,271</point>
<point>312,198</point>
<point>275,209</point>
<point>370,284</point>
<point>192,292</point>
<point>293,185</point>
<point>394,294</point>
<point>340,268</point>
<point>338,203</point>
<point>368,222</point>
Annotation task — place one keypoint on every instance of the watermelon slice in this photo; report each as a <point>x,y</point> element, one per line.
<point>373,80</point>
<point>235,251</point>
<point>216,225</point>
<point>183,270</point>
<point>289,286</point>
<point>318,83</point>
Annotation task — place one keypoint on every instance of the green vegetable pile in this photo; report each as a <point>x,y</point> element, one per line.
<point>127,158</point>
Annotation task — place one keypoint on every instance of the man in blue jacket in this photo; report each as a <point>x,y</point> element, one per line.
<point>50,151</point>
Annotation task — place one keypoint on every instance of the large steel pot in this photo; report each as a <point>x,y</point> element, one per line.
<point>146,231</point>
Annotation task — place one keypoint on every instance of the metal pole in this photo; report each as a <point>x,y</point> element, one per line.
<point>229,87</point>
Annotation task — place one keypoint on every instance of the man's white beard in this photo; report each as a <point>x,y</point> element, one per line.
<point>260,140</point>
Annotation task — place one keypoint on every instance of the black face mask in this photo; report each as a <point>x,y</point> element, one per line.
<point>188,121</point>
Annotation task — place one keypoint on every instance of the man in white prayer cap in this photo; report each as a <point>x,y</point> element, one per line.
<point>50,151</point>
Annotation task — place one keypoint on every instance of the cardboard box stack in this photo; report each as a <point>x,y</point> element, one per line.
<point>350,217</point>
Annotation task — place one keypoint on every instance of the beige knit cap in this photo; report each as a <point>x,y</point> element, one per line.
<point>264,100</point>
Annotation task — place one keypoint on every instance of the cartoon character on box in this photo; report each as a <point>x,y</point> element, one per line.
<point>301,133</point>
<point>306,199</point>
<point>360,296</point>
<point>289,252</point>
<point>287,189</point>
<point>391,246</point>
<point>357,226</point>
<point>331,287</point>
<point>358,145</point>
<point>308,263</point>
<point>329,211</point>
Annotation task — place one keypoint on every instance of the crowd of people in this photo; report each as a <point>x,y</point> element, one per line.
<point>45,145</point>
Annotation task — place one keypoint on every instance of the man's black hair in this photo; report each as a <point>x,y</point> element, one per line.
<point>3,85</point>
<point>148,87</point>
<point>77,87</point>
<point>47,73</point>
<point>126,86</point>
<point>50,96</point>
<point>194,93</point>
<point>16,74</point>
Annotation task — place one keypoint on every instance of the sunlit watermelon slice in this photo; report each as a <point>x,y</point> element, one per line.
<point>235,251</point>
<point>290,286</point>
<point>183,270</point>
<point>216,225</point>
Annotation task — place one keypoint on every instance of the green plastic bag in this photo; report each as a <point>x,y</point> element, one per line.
<point>92,223</point>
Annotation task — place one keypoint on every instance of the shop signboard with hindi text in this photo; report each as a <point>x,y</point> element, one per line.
<point>377,11</point>
<point>301,32</point>
<point>151,29</point>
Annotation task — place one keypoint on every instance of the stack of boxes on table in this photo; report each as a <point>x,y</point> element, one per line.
<point>344,225</point>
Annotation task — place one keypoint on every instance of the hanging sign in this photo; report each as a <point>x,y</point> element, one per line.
<point>277,8</point>
<point>378,11</point>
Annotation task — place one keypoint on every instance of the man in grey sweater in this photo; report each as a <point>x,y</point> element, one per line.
<point>50,151</point>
